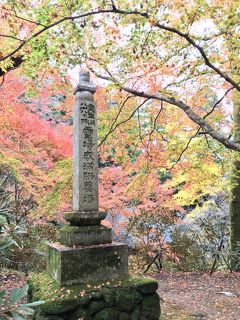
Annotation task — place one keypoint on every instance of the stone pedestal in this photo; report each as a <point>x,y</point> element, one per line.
<point>85,257</point>
<point>135,299</point>
<point>85,253</point>
<point>88,264</point>
<point>85,235</point>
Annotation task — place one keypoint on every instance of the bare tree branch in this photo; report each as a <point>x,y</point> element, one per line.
<point>70,18</point>
<point>217,102</point>
<point>122,122</point>
<point>16,62</point>
<point>115,120</point>
<point>2,82</point>
<point>201,51</point>
<point>214,152</point>
<point>12,37</point>
<point>22,18</point>
<point>155,125</point>
<point>185,149</point>
<point>185,108</point>
<point>115,10</point>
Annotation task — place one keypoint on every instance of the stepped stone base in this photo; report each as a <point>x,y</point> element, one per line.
<point>80,218</point>
<point>85,235</point>
<point>134,299</point>
<point>87,264</point>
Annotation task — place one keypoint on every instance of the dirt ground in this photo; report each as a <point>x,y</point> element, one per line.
<point>198,296</point>
<point>184,296</point>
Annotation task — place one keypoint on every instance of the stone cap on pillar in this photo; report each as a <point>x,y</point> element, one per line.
<point>84,83</point>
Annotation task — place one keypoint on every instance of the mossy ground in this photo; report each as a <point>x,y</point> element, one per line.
<point>47,289</point>
<point>126,297</point>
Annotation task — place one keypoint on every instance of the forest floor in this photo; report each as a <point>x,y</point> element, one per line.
<point>184,295</point>
<point>199,296</point>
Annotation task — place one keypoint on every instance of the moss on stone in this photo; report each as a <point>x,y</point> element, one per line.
<point>150,308</point>
<point>57,300</point>
<point>40,316</point>
<point>123,316</point>
<point>78,314</point>
<point>146,286</point>
<point>136,313</point>
<point>107,314</point>
<point>109,297</point>
<point>59,306</point>
<point>94,302</point>
<point>95,306</point>
<point>126,299</point>
<point>98,295</point>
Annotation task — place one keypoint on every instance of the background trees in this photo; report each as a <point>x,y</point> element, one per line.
<point>171,71</point>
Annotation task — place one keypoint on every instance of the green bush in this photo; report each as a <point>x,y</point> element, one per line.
<point>12,308</point>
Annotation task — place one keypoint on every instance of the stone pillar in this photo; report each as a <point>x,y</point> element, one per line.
<point>89,273</point>
<point>85,156</point>
<point>86,253</point>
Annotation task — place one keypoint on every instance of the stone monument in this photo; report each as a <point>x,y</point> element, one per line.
<point>88,272</point>
<point>86,253</point>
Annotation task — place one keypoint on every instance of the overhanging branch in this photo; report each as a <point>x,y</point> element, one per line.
<point>184,107</point>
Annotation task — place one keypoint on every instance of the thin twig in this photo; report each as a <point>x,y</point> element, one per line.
<point>185,149</point>
<point>70,18</point>
<point>201,51</point>
<point>115,120</point>
<point>201,122</point>
<point>12,37</point>
<point>217,102</point>
<point>3,78</point>
<point>124,121</point>
<point>22,18</point>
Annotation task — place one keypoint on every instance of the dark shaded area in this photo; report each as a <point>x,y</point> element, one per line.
<point>17,61</point>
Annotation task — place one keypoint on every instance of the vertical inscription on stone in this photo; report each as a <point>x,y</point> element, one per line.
<point>85,163</point>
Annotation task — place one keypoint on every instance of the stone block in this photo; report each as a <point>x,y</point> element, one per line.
<point>150,308</point>
<point>81,218</point>
<point>107,314</point>
<point>127,299</point>
<point>147,286</point>
<point>85,235</point>
<point>87,265</point>
<point>92,303</point>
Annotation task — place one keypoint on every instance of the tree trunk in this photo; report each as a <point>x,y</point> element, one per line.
<point>235,187</point>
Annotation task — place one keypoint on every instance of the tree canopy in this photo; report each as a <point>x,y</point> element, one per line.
<point>167,73</point>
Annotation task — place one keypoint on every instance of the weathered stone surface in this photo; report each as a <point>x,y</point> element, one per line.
<point>126,299</point>
<point>135,314</point>
<point>59,306</point>
<point>97,295</point>
<point>78,314</point>
<point>85,235</point>
<point>84,305</point>
<point>107,314</point>
<point>109,297</point>
<point>81,218</point>
<point>123,316</point>
<point>150,308</point>
<point>95,306</point>
<point>146,286</point>
<point>92,264</point>
<point>85,154</point>
<point>40,316</point>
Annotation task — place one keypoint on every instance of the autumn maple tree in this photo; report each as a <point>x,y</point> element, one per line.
<point>169,78</point>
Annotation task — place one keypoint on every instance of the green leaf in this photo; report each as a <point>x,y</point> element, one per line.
<point>6,243</point>
<point>18,293</point>
<point>3,317</point>
<point>25,311</point>
<point>16,315</point>
<point>2,294</point>
<point>33,304</point>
